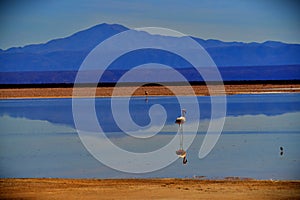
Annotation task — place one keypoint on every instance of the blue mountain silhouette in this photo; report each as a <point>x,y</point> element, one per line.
<point>59,59</point>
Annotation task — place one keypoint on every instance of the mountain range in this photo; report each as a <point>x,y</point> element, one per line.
<point>58,60</point>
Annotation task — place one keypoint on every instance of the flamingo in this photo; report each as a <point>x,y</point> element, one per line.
<point>180,121</point>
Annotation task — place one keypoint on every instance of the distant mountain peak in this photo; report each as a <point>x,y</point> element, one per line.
<point>83,40</point>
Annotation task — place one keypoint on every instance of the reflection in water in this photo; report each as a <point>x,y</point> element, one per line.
<point>38,139</point>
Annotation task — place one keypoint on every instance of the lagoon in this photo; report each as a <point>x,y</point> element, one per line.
<point>39,139</point>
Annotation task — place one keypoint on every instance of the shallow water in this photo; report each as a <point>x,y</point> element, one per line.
<point>38,138</point>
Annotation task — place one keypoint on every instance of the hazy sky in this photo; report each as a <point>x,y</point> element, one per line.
<point>37,21</point>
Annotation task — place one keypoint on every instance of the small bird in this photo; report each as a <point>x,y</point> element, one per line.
<point>281,148</point>
<point>146,94</point>
<point>281,151</point>
<point>180,120</point>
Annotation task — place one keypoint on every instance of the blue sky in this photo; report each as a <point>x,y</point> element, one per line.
<point>37,21</point>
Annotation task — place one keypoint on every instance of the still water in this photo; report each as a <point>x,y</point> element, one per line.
<point>38,138</point>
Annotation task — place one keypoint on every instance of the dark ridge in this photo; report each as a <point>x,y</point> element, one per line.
<point>70,85</point>
<point>111,76</point>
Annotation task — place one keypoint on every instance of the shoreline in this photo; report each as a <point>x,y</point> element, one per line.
<point>107,91</point>
<point>164,188</point>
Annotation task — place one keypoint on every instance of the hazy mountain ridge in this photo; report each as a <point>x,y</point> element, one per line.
<point>255,73</point>
<point>84,40</point>
<point>67,54</point>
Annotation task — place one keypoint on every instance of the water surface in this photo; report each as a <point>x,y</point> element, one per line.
<point>38,138</point>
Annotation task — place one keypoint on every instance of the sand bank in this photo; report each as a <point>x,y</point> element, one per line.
<point>11,93</point>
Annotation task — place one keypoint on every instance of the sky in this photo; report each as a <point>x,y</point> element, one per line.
<point>38,21</point>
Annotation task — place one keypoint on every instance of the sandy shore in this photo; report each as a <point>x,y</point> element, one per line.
<point>147,189</point>
<point>11,93</point>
